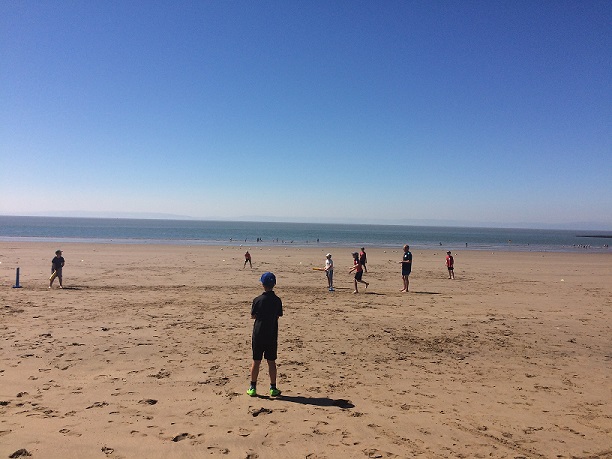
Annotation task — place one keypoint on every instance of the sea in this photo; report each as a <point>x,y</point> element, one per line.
<point>241,233</point>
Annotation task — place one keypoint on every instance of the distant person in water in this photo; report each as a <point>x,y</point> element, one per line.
<point>56,269</point>
<point>406,267</point>
<point>450,262</point>
<point>247,259</point>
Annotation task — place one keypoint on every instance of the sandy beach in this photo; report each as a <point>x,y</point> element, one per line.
<point>146,352</point>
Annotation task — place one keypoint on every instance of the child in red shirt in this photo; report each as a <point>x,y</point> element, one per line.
<point>358,271</point>
<point>450,265</point>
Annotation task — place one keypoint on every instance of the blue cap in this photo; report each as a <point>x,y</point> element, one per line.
<point>268,279</point>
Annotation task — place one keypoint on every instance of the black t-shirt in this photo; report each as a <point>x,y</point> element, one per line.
<point>407,267</point>
<point>266,308</point>
<point>57,263</point>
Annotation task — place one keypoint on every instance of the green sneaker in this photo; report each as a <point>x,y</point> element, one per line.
<point>274,392</point>
<point>252,392</point>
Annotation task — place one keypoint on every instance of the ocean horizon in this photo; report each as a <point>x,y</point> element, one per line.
<point>203,232</point>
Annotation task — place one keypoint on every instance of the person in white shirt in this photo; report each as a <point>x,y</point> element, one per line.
<point>329,271</point>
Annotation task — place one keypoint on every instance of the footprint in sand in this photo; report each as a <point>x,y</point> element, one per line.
<point>261,410</point>
<point>180,437</point>
<point>161,374</point>
<point>148,401</point>
<point>97,405</point>
<point>374,453</point>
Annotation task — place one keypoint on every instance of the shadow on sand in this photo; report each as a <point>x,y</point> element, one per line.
<point>317,401</point>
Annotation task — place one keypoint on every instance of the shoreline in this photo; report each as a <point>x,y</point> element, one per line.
<point>509,248</point>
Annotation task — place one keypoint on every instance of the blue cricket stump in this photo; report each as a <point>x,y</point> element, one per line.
<point>17,279</point>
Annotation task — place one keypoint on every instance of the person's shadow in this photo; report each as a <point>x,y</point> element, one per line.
<point>316,401</point>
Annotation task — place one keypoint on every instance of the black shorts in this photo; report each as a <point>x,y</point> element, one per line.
<point>358,275</point>
<point>264,347</point>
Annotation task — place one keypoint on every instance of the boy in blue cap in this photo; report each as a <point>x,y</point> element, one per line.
<point>266,310</point>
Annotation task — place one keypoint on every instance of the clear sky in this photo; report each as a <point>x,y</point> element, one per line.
<point>354,111</point>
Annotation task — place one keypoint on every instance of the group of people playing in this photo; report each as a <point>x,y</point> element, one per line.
<point>360,266</point>
<point>360,261</point>
<point>267,308</point>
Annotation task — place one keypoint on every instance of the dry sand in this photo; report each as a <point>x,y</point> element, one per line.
<point>146,354</point>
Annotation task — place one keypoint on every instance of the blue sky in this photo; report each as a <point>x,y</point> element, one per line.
<point>354,111</point>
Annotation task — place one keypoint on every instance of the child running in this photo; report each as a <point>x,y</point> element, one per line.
<point>56,269</point>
